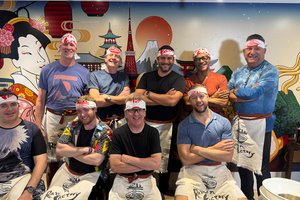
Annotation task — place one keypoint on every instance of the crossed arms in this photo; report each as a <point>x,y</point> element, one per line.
<point>192,154</point>
<point>85,155</point>
<point>122,163</point>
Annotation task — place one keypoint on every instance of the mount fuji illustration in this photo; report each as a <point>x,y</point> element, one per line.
<point>147,61</point>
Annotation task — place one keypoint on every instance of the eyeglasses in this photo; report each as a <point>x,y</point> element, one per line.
<point>5,106</point>
<point>204,58</point>
<point>138,110</point>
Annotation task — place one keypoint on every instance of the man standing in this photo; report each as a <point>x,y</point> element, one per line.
<point>162,89</point>
<point>85,142</point>
<point>110,87</point>
<point>134,154</point>
<point>253,90</point>
<point>23,156</point>
<point>204,142</point>
<point>60,84</point>
<point>215,84</point>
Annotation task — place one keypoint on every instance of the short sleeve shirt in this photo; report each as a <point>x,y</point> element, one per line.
<point>191,131</point>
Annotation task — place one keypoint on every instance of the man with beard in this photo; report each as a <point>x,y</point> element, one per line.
<point>204,141</point>
<point>23,155</point>
<point>162,89</point>
<point>134,154</point>
<point>215,84</point>
<point>85,142</point>
<point>253,91</point>
<point>110,87</point>
<point>61,83</point>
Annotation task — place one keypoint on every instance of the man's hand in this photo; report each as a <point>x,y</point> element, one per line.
<point>234,98</point>
<point>125,158</point>
<point>194,148</point>
<point>221,94</point>
<point>224,145</point>
<point>25,195</point>
<point>171,91</point>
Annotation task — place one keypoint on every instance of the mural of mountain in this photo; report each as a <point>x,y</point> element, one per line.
<point>147,61</point>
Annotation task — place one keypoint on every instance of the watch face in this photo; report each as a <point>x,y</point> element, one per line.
<point>30,189</point>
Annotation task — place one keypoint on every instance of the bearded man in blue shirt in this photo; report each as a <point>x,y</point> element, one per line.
<point>253,90</point>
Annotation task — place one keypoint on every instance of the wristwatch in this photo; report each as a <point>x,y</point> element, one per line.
<point>107,98</point>
<point>30,189</point>
<point>148,94</point>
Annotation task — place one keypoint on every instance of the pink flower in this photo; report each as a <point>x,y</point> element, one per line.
<point>6,37</point>
<point>9,27</point>
<point>37,25</point>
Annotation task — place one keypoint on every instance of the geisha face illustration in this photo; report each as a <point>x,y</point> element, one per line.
<point>32,55</point>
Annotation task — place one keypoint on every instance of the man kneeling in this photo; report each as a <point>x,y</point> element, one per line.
<point>85,142</point>
<point>204,141</point>
<point>135,152</point>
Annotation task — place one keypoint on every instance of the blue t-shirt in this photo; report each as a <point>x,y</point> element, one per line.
<point>260,86</point>
<point>191,131</point>
<point>106,83</point>
<point>64,85</point>
<point>111,84</point>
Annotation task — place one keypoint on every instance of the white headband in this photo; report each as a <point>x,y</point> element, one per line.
<point>201,51</point>
<point>165,52</point>
<point>135,103</point>
<point>197,90</point>
<point>8,98</point>
<point>68,38</point>
<point>85,104</point>
<point>255,43</point>
<point>114,50</point>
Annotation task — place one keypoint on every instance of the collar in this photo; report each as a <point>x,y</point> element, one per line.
<point>193,120</point>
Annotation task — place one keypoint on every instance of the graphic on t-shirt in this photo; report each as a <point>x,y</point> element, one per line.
<point>64,84</point>
<point>11,165</point>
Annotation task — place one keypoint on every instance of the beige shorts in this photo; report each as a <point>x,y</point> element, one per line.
<point>66,185</point>
<point>54,130</point>
<point>144,189</point>
<point>165,135</point>
<point>207,182</point>
<point>16,186</point>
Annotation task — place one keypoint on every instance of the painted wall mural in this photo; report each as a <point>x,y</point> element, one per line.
<point>30,32</point>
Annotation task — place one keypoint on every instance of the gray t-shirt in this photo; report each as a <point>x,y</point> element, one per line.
<point>111,84</point>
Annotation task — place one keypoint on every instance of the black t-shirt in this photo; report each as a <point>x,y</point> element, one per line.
<point>18,146</point>
<point>84,140</point>
<point>151,81</point>
<point>141,145</point>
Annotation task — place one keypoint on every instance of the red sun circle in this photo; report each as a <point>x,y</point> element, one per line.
<point>153,28</point>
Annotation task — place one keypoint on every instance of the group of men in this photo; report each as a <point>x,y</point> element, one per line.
<point>73,127</point>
